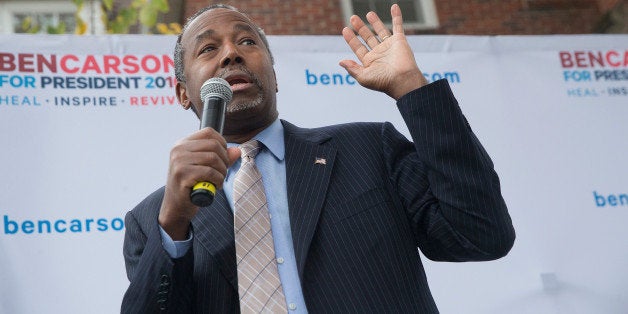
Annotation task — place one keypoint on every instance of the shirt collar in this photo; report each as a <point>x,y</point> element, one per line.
<point>272,138</point>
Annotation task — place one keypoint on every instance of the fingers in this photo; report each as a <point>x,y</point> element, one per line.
<point>363,30</point>
<point>371,38</point>
<point>211,145</point>
<point>378,26</point>
<point>201,157</point>
<point>397,20</point>
<point>209,133</point>
<point>206,151</point>
<point>354,43</point>
<point>351,66</point>
<point>365,33</point>
<point>234,154</point>
<point>204,167</point>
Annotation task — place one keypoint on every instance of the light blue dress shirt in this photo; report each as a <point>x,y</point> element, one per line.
<point>272,165</point>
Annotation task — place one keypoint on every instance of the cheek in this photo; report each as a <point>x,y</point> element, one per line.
<point>201,69</point>
<point>270,81</point>
<point>197,110</point>
<point>193,94</point>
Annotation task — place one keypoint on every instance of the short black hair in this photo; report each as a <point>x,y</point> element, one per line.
<point>179,49</point>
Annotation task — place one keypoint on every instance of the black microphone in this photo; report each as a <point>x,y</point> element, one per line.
<point>215,94</point>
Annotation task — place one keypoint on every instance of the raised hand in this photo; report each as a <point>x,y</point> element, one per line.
<point>387,62</point>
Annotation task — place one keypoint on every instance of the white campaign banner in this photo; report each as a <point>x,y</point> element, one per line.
<point>86,125</point>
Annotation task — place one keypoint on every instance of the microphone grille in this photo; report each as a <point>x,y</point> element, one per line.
<point>216,87</point>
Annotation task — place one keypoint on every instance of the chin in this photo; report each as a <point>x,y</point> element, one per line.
<point>245,105</point>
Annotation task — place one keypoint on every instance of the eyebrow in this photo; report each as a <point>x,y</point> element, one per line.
<point>240,27</point>
<point>244,28</point>
<point>206,34</point>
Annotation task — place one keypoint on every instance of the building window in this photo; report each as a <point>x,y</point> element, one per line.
<point>417,14</point>
<point>39,16</point>
<point>40,22</point>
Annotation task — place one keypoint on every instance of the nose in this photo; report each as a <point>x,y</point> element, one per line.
<point>231,55</point>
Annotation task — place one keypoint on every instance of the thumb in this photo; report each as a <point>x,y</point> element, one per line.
<point>233,153</point>
<point>352,67</point>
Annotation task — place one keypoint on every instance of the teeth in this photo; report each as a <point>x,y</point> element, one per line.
<point>237,81</point>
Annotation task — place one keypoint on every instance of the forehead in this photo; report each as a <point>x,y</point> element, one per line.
<point>212,19</point>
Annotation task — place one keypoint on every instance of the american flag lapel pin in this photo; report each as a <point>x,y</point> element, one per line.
<point>320,161</point>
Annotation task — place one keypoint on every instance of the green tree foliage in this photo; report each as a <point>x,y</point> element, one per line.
<point>119,20</point>
<point>116,19</point>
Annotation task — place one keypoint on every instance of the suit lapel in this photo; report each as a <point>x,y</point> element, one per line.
<point>213,231</point>
<point>309,163</point>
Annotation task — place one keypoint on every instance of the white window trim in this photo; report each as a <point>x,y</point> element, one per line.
<point>90,12</point>
<point>428,7</point>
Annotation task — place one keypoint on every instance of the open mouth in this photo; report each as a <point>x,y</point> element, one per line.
<point>238,82</point>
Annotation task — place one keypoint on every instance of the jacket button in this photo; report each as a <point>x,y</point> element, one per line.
<point>162,304</point>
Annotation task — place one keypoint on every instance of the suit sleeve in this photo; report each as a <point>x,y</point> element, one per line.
<point>446,181</point>
<point>158,284</point>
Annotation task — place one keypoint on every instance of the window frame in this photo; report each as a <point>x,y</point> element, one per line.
<point>9,9</point>
<point>427,6</point>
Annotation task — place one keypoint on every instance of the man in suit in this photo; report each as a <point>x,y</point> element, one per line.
<point>349,204</point>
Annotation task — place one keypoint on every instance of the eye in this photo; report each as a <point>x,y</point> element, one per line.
<point>247,42</point>
<point>208,48</point>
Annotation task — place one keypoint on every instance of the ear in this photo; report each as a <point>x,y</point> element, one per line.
<point>276,84</point>
<point>182,96</point>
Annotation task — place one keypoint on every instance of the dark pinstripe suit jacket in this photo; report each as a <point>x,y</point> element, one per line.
<point>356,221</point>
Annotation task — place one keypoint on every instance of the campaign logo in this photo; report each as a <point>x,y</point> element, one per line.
<point>13,226</point>
<point>317,78</point>
<point>35,80</point>
<point>595,73</point>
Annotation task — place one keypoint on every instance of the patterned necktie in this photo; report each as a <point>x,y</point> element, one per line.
<point>258,281</point>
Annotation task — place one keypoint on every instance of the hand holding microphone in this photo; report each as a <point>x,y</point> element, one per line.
<point>215,94</point>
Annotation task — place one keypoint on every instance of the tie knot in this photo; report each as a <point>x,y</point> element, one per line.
<point>249,149</point>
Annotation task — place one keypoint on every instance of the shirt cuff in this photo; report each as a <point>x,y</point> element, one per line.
<point>175,249</point>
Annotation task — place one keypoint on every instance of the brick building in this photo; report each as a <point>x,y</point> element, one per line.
<point>327,17</point>
<point>469,17</point>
